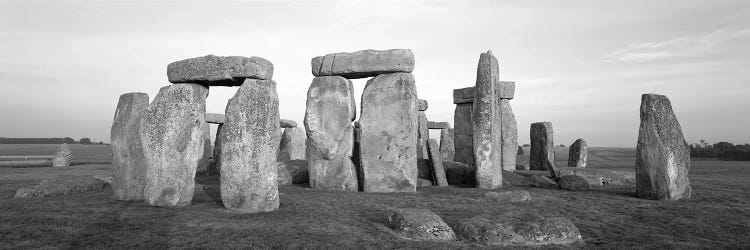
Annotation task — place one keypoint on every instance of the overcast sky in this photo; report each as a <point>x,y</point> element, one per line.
<point>581,65</point>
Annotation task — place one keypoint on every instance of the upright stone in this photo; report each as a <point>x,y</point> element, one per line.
<point>364,63</point>
<point>292,145</point>
<point>205,162</point>
<point>578,154</point>
<point>215,168</point>
<point>542,156</point>
<point>423,134</point>
<point>487,125</point>
<point>330,139</point>
<point>128,162</point>
<point>509,135</point>
<point>172,135</point>
<point>438,172</point>
<point>463,133</point>
<point>447,147</point>
<point>662,155</point>
<point>62,156</point>
<point>389,133</point>
<point>250,144</point>
<point>213,70</point>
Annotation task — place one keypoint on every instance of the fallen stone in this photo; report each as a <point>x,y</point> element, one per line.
<point>389,134</point>
<point>542,147</point>
<point>172,135</point>
<point>517,229</point>
<point>516,180</point>
<point>447,148</point>
<point>486,120</point>
<point>249,170</point>
<point>106,179</point>
<point>330,135</point>
<point>506,90</point>
<point>573,182</point>
<point>363,63</point>
<point>662,155</point>
<point>60,185</point>
<point>284,123</point>
<point>297,169</point>
<point>423,182</point>
<point>293,145</point>
<point>128,162</point>
<point>62,156</point>
<point>509,135</point>
<point>463,95</point>
<point>213,70</point>
<point>456,173</point>
<point>215,118</point>
<point>422,105</point>
<point>600,177</point>
<point>438,125</point>
<point>578,154</point>
<point>463,133</point>
<point>438,172</point>
<point>507,196</point>
<point>420,224</point>
<point>542,181</point>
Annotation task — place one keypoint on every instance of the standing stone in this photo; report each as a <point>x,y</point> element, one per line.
<point>364,63</point>
<point>509,135</point>
<point>447,148</point>
<point>662,155</point>
<point>389,133</point>
<point>463,133</point>
<point>128,163</point>
<point>542,156</point>
<point>438,172</point>
<point>205,162</point>
<point>215,168</point>
<point>328,122</point>
<point>357,156</point>
<point>292,146</point>
<point>213,70</point>
<point>423,134</point>
<point>62,156</point>
<point>250,144</point>
<point>172,135</point>
<point>578,154</point>
<point>487,125</point>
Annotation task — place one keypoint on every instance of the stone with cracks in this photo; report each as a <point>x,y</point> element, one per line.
<point>506,90</point>
<point>296,169</point>
<point>542,156</point>
<point>447,148</point>
<point>250,143</point>
<point>330,135</point>
<point>420,224</point>
<point>463,133</point>
<point>363,63</point>
<point>172,135</point>
<point>486,121</point>
<point>436,161</point>
<point>662,155</point>
<point>600,177</point>
<point>573,182</point>
<point>463,95</point>
<point>389,134</point>
<point>213,70</point>
<point>293,145</point>
<point>509,135</point>
<point>422,105</point>
<point>128,162</point>
<point>62,156</point>
<point>285,123</point>
<point>503,90</point>
<point>517,229</point>
<point>578,154</point>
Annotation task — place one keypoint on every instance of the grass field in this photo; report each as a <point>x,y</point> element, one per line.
<point>78,151</point>
<point>718,215</point>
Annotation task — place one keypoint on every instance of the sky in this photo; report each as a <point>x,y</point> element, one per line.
<point>581,65</point>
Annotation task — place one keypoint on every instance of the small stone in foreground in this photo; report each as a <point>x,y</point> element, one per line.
<point>517,229</point>
<point>573,182</point>
<point>213,70</point>
<point>420,224</point>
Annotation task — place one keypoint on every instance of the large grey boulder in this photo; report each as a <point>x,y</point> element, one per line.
<point>293,144</point>
<point>573,182</point>
<point>205,163</point>
<point>509,135</point>
<point>447,147</point>
<point>62,156</point>
<point>330,135</point>
<point>389,126</point>
<point>463,133</point>
<point>172,135</point>
<point>213,70</point>
<point>60,185</point>
<point>423,134</point>
<point>542,155</point>
<point>296,170</point>
<point>250,143</point>
<point>487,125</point>
<point>517,229</point>
<point>578,154</point>
<point>215,168</point>
<point>662,155</point>
<point>363,63</point>
<point>600,177</point>
<point>436,162</point>
<point>128,162</point>
<point>420,224</point>
<point>458,173</point>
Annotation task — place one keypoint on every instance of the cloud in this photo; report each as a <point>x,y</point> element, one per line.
<point>677,48</point>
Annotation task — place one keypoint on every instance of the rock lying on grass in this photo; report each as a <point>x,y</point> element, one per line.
<point>517,229</point>
<point>573,182</point>
<point>423,182</point>
<point>60,185</point>
<point>508,196</point>
<point>600,177</point>
<point>420,224</point>
<point>541,181</point>
<point>297,171</point>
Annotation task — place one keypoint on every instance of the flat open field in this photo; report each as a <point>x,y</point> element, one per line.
<point>718,215</point>
<point>81,154</point>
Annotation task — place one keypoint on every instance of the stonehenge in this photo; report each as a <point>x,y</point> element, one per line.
<point>542,152</point>
<point>364,63</point>
<point>128,161</point>
<point>487,125</point>
<point>578,154</point>
<point>213,70</point>
<point>62,156</point>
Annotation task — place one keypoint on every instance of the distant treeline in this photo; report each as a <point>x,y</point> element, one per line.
<point>68,140</point>
<point>722,150</point>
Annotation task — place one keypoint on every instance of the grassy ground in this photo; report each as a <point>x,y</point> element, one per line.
<point>79,152</point>
<point>717,217</point>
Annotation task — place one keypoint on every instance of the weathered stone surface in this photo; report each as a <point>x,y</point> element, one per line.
<point>205,163</point>
<point>104,178</point>
<point>517,229</point>
<point>213,70</point>
<point>503,90</point>
<point>508,196</point>
<point>438,125</point>
<point>457,173</point>
<point>422,105</point>
<point>463,133</point>
<point>250,144</point>
<point>357,156</point>
<point>573,182</point>
<point>520,150</point>
<point>578,154</point>
<point>542,147</point>
<point>423,134</point>
<point>296,169</point>
<point>662,155</point>
<point>172,135</point>
<point>419,224</point>
<point>293,145</point>
<point>328,122</point>
<point>487,125</point>
<point>363,63</point>
<point>285,123</point>
<point>516,180</point>
<point>61,184</point>
<point>62,156</point>
<point>128,162</point>
<point>436,161</point>
<point>509,135</point>
<point>447,148</point>
<point>600,177</point>
<point>423,182</point>
<point>215,118</point>
<point>389,134</point>
<point>542,181</point>
<point>215,168</point>
<point>506,90</point>
<point>463,95</point>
